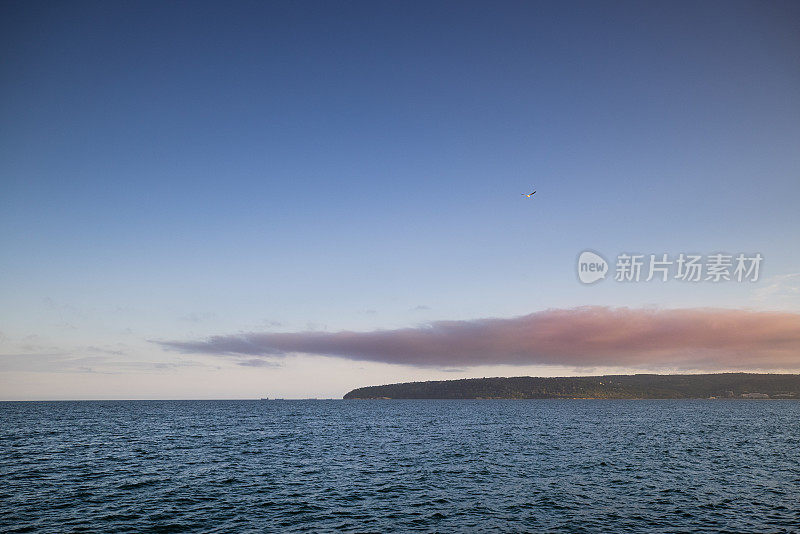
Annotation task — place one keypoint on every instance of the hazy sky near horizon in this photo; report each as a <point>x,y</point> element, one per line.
<point>170,172</point>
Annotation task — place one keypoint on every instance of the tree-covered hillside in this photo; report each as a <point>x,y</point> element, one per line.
<point>641,386</point>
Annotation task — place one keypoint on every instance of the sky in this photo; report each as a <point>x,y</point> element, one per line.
<point>295,199</point>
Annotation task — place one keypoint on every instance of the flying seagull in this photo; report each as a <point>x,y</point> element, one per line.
<point>529,195</point>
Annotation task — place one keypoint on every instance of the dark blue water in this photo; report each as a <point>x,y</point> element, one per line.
<point>447,466</point>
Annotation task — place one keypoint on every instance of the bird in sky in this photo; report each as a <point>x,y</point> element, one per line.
<point>529,195</point>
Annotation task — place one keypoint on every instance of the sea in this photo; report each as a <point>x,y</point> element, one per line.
<point>400,466</point>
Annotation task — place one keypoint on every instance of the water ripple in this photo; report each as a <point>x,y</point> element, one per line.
<point>428,466</point>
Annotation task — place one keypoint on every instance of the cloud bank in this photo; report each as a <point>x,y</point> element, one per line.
<point>587,336</point>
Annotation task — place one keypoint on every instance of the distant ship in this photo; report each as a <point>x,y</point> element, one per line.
<point>264,398</point>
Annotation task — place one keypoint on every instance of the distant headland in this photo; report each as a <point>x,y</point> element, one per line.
<point>639,386</point>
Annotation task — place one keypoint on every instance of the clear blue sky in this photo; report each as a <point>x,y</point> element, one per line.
<point>184,169</point>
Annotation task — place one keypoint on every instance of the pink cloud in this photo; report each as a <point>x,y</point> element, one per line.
<point>587,336</point>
